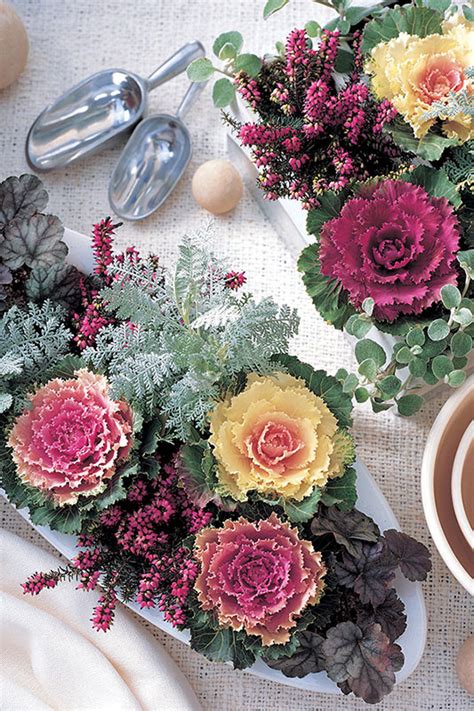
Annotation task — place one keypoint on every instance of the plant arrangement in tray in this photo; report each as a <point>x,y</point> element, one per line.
<point>369,124</point>
<point>208,473</point>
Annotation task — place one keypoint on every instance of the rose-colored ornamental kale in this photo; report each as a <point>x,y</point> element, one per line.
<point>394,243</point>
<point>72,438</point>
<point>258,576</point>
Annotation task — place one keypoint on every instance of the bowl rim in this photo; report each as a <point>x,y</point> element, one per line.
<point>456,483</point>
<point>427,488</point>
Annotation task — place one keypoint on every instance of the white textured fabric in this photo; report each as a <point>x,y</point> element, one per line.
<point>53,659</point>
<point>73,38</point>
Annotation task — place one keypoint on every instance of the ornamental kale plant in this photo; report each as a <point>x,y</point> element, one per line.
<point>406,248</point>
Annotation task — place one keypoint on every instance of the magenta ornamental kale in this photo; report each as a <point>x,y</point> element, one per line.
<point>394,243</point>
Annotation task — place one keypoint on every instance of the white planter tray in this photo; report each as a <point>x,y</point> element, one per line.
<point>370,500</point>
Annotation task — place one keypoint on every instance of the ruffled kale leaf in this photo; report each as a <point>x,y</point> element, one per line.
<point>307,659</point>
<point>35,242</point>
<point>21,197</point>
<point>349,528</point>
<point>362,661</point>
<point>321,384</point>
<point>390,615</point>
<point>411,556</point>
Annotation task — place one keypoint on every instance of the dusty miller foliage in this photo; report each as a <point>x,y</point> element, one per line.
<point>31,341</point>
<point>191,338</point>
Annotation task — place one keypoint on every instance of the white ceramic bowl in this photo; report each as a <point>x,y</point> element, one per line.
<point>460,466</point>
<point>447,539</point>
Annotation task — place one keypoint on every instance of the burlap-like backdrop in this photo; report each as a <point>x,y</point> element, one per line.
<point>73,38</point>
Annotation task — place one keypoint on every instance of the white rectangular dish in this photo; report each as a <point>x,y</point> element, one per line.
<point>370,500</point>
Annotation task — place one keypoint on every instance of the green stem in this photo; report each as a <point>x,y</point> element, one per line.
<point>326,3</point>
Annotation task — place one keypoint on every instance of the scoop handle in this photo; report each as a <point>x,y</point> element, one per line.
<point>176,64</point>
<point>190,98</point>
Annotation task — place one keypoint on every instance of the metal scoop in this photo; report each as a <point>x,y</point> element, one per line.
<point>96,110</point>
<point>152,162</point>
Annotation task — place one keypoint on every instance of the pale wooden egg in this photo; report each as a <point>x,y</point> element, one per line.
<point>217,186</point>
<point>13,46</point>
<point>465,665</point>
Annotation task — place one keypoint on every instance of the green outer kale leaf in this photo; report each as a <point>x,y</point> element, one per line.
<point>342,491</point>
<point>322,384</point>
<point>419,21</point>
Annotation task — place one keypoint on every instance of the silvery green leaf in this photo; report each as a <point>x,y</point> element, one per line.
<point>35,242</point>
<point>6,401</point>
<point>21,197</point>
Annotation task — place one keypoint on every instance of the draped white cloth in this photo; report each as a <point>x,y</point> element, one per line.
<point>53,659</point>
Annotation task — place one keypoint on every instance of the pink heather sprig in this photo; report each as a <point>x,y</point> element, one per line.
<point>325,57</point>
<point>144,531</point>
<point>248,89</point>
<point>235,280</point>
<point>102,238</point>
<point>104,612</point>
<point>298,52</point>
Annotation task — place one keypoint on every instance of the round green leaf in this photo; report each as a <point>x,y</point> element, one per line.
<point>228,51</point>
<point>361,327</point>
<point>368,348</point>
<point>461,344</point>
<point>430,378</point>
<point>223,93</point>
<point>344,26</point>
<point>442,365</point>
<point>341,374</point>
<point>415,337</point>
<point>272,6</point>
<point>390,386</point>
<point>463,316</point>
<point>438,329</point>
<point>460,362</point>
<point>417,367</point>
<point>361,394</point>
<point>200,70</point>
<point>404,355</point>
<point>456,378</point>
<point>409,404</point>
<point>233,38</point>
<point>350,383</point>
<point>312,28</point>
<point>368,306</point>
<point>368,368</point>
<point>450,296</point>
<point>248,63</point>
<point>433,348</point>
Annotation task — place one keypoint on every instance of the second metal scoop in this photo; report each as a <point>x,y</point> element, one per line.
<point>97,110</point>
<point>152,162</point>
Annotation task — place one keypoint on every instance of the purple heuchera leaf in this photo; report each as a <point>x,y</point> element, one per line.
<point>363,661</point>
<point>21,197</point>
<point>390,615</point>
<point>368,575</point>
<point>349,528</point>
<point>35,242</point>
<point>410,555</point>
<point>307,659</point>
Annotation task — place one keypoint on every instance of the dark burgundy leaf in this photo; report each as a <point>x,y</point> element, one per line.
<point>361,660</point>
<point>368,575</point>
<point>412,556</point>
<point>390,615</point>
<point>307,659</point>
<point>349,528</point>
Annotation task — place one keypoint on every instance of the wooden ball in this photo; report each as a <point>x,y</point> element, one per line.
<point>465,665</point>
<point>13,46</point>
<point>217,186</point>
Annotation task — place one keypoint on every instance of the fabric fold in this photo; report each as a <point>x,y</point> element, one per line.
<point>53,659</point>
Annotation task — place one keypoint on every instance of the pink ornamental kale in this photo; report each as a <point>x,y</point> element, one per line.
<point>258,576</point>
<point>72,438</point>
<point>394,243</point>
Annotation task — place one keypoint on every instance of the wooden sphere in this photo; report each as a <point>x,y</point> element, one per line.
<point>465,665</point>
<point>217,186</point>
<point>13,46</point>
